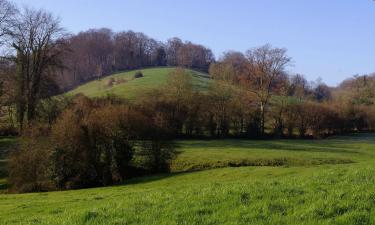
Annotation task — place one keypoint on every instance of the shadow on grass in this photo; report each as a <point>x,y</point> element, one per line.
<point>269,145</point>
<point>277,162</point>
<point>154,177</point>
<point>3,187</point>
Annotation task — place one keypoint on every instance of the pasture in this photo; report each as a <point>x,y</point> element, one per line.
<point>126,86</point>
<point>327,181</point>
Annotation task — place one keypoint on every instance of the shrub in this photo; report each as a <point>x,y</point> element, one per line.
<point>93,150</point>
<point>111,81</point>
<point>8,130</point>
<point>30,166</point>
<point>97,147</point>
<point>158,155</point>
<point>50,109</point>
<point>121,81</point>
<point>138,74</point>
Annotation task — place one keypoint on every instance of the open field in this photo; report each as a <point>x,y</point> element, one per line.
<point>312,182</point>
<point>125,85</point>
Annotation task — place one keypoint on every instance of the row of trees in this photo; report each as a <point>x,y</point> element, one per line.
<point>287,106</point>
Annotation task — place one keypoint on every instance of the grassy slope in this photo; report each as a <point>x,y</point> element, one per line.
<point>153,77</point>
<point>296,194</point>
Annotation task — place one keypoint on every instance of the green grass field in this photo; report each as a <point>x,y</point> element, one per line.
<point>125,85</point>
<point>313,182</point>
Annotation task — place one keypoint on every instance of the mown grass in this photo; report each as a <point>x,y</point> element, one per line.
<point>129,88</point>
<point>328,192</point>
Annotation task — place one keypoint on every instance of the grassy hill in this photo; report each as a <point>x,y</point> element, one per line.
<point>125,85</point>
<point>291,182</point>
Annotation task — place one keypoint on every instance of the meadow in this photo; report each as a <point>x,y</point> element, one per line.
<point>327,181</point>
<point>126,86</point>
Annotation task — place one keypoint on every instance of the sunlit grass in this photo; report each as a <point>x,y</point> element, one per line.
<point>129,87</point>
<point>328,192</point>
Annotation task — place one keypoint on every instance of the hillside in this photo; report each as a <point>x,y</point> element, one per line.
<point>310,182</point>
<point>125,85</point>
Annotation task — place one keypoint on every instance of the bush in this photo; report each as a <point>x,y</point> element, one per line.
<point>158,155</point>
<point>111,81</point>
<point>8,130</point>
<point>120,81</point>
<point>97,147</point>
<point>138,74</point>
<point>93,150</point>
<point>30,166</point>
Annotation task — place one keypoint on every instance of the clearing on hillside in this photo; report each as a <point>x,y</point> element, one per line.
<point>127,86</point>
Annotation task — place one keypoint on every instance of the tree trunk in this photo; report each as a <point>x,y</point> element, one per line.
<point>20,92</point>
<point>262,118</point>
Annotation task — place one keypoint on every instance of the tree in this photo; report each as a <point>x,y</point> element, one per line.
<point>7,16</point>
<point>298,86</point>
<point>173,46</point>
<point>266,66</point>
<point>194,56</point>
<point>177,98</point>
<point>37,39</point>
<point>161,57</point>
<point>322,92</point>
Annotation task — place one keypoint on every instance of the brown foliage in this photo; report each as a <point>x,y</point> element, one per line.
<point>30,167</point>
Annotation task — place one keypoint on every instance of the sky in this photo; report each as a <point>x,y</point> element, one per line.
<point>328,39</point>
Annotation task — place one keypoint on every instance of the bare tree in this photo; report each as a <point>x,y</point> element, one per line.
<point>266,67</point>
<point>299,86</point>
<point>194,56</point>
<point>36,37</point>
<point>7,16</point>
<point>173,46</point>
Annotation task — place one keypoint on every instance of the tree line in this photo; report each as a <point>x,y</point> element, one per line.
<point>76,142</point>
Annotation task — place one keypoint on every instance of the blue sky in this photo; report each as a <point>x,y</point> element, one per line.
<point>331,39</point>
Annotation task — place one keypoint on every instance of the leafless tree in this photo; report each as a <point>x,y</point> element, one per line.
<point>265,69</point>
<point>37,39</point>
<point>7,16</point>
